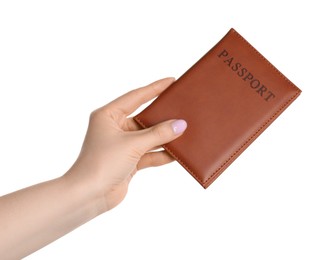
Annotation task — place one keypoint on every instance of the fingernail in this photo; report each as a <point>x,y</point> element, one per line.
<point>179,126</point>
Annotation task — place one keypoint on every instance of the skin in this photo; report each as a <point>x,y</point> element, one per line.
<point>114,149</point>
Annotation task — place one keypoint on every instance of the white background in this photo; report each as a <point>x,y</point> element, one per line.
<point>59,60</point>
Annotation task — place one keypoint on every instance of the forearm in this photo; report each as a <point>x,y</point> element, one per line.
<point>33,217</point>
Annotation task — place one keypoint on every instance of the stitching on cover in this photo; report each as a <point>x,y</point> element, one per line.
<point>270,119</point>
<point>264,59</point>
<point>182,163</point>
<point>251,138</point>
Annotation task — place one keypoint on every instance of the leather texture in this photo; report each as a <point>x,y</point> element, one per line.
<point>228,98</point>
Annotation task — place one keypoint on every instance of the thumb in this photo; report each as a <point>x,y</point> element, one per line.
<point>161,133</point>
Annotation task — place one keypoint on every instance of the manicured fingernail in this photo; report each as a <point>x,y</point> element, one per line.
<point>179,126</point>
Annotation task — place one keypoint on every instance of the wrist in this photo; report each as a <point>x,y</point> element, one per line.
<point>86,192</point>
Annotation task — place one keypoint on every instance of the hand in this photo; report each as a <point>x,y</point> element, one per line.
<point>113,150</point>
<point>115,147</point>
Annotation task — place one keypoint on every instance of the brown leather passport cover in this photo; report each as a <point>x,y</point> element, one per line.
<point>228,98</point>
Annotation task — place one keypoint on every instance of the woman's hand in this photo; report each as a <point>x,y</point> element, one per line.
<point>115,147</point>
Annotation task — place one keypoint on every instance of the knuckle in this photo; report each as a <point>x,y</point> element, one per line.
<point>97,115</point>
<point>94,114</point>
<point>161,132</point>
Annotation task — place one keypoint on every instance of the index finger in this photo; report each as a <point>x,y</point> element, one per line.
<point>130,101</point>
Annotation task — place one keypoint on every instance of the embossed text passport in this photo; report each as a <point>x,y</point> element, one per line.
<point>228,98</point>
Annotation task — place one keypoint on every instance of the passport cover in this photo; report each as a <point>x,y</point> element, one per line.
<point>228,98</point>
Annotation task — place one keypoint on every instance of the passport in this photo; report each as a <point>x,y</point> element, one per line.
<point>228,98</point>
